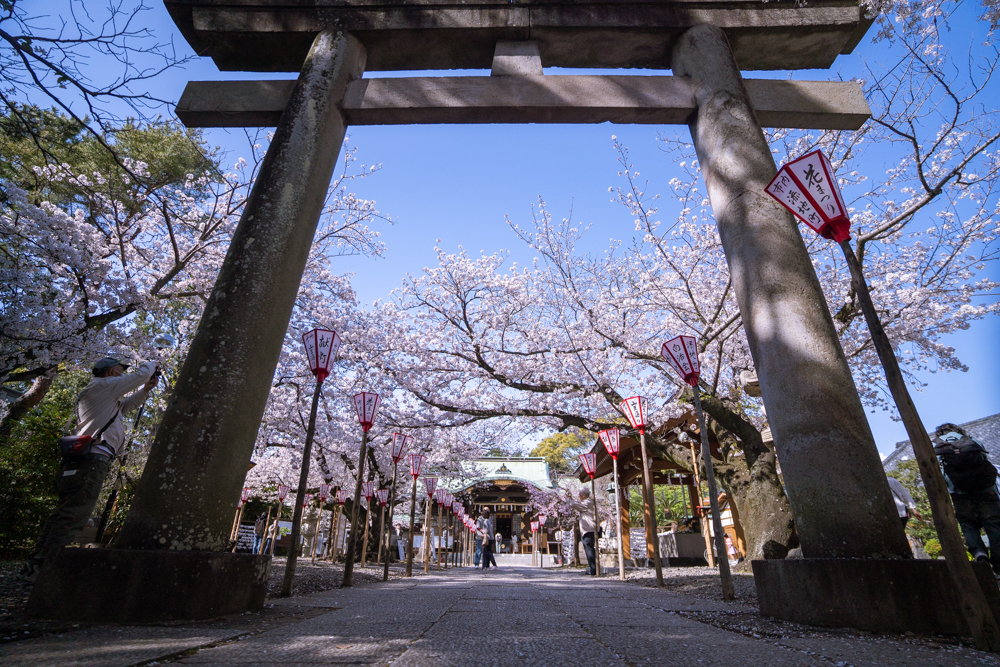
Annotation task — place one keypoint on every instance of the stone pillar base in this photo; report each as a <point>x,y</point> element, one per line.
<point>868,594</point>
<point>126,586</point>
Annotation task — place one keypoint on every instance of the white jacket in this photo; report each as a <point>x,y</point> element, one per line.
<point>99,400</point>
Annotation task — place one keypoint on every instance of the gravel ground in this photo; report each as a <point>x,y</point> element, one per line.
<point>15,626</point>
<point>745,618</point>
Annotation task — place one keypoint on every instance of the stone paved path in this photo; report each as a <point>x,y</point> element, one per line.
<point>517,616</point>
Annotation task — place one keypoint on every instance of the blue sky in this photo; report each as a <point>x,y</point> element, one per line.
<point>456,183</point>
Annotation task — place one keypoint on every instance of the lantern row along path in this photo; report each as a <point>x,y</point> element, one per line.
<point>514,616</point>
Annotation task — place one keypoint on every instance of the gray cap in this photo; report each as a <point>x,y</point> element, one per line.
<point>108,362</point>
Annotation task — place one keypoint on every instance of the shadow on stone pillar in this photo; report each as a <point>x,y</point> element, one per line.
<point>858,570</point>
<point>184,502</point>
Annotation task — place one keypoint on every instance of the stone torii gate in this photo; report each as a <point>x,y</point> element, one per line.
<point>834,480</point>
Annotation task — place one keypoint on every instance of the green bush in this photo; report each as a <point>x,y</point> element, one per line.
<point>28,464</point>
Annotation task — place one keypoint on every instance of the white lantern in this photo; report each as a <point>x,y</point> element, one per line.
<point>808,188</point>
<point>416,460</point>
<point>589,461</point>
<point>430,483</point>
<point>635,409</point>
<point>682,355</point>
<point>366,404</point>
<point>611,439</point>
<point>383,496</point>
<point>368,489</point>
<point>324,493</point>
<point>342,496</point>
<point>398,446</point>
<point>282,492</point>
<point>321,349</point>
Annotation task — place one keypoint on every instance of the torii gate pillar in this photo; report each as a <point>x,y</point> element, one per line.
<point>832,471</point>
<point>170,559</point>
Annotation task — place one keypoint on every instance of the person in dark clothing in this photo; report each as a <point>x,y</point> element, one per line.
<point>588,531</point>
<point>977,509</point>
<point>484,527</point>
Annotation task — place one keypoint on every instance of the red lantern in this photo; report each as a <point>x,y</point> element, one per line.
<point>416,460</point>
<point>456,507</point>
<point>541,520</point>
<point>398,446</point>
<point>589,461</point>
<point>635,409</point>
<point>321,349</point>
<point>383,496</point>
<point>682,355</point>
<point>610,438</point>
<point>324,493</point>
<point>342,496</point>
<point>430,483</point>
<point>534,526</point>
<point>306,499</point>
<point>368,489</point>
<point>245,495</point>
<point>282,492</point>
<point>366,404</point>
<point>808,188</point>
<point>439,494</point>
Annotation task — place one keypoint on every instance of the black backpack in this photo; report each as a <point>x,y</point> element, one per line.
<point>966,464</point>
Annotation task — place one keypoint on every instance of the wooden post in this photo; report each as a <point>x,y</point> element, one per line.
<point>331,552</point>
<point>368,521</point>
<point>728,593</point>
<point>388,529</point>
<point>409,536</point>
<point>597,527</point>
<point>650,508</point>
<point>440,549</point>
<point>300,496</point>
<point>709,556</point>
<point>355,502</point>
<point>427,535</point>
<point>618,513</point>
<point>274,531</point>
<point>319,519</point>
<point>970,595</point>
<point>626,523</point>
<point>267,522</point>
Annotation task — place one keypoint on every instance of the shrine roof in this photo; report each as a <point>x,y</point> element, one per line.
<point>531,470</point>
<point>275,35</point>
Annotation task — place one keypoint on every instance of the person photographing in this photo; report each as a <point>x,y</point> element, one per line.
<point>100,412</point>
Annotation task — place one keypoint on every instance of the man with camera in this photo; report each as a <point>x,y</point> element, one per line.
<point>100,411</point>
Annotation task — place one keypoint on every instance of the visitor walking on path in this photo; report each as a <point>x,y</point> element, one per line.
<point>587,530</point>
<point>972,483</point>
<point>484,526</point>
<point>99,412</point>
<point>905,505</point>
<point>259,528</point>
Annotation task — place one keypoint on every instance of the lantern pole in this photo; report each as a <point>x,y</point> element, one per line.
<point>970,594</point>
<point>709,556</point>
<point>293,550</point>
<point>388,529</point>
<point>334,532</point>
<point>267,522</point>
<point>352,544</point>
<point>647,478</point>
<point>618,515</point>
<point>428,534</point>
<point>277,520</point>
<point>720,541</point>
<point>409,536</point>
<point>368,521</point>
<point>440,535</point>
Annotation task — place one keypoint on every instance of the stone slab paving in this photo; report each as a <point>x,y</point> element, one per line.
<point>461,617</point>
